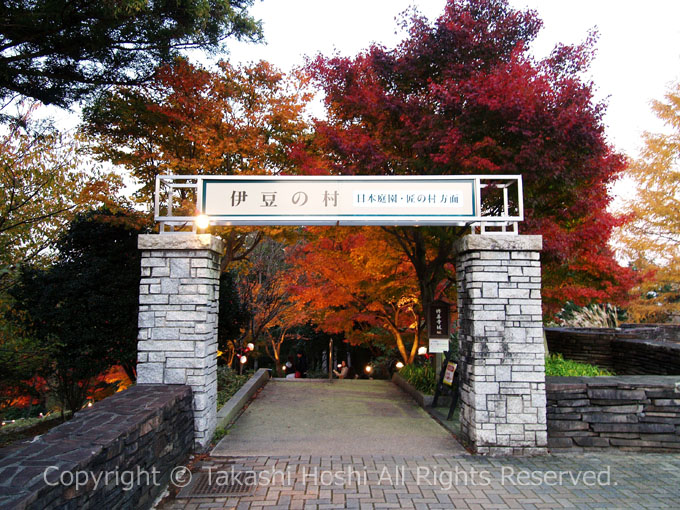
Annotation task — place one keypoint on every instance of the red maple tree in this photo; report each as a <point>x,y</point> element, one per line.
<point>352,281</point>
<point>464,96</point>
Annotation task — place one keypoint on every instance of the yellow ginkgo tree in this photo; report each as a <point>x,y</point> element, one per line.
<point>652,238</point>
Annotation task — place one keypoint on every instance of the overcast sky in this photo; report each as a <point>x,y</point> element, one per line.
<point>638,48</point>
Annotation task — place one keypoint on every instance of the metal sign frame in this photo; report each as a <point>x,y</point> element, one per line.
<point>505,221</point>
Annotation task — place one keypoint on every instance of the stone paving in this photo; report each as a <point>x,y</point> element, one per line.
<point>597,481</point>
<point>348,417</point>
<point>440,475</point>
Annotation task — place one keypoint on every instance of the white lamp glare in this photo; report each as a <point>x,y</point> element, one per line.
<point>243,360</point>
<point>422,350</point>
<point>202,221</point>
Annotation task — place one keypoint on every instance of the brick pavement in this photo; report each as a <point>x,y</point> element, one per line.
<point>589,481</point>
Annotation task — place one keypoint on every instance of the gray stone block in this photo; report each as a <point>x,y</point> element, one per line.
<point>500,243</point>
<point>174,376</point>
<point>180,268</point>
<point>180,241</point>
<point>153,299</point>
<point>150,373</point>
<point>160,333</point>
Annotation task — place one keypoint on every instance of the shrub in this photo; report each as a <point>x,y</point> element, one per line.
<point>591,316</point>
<point>556,365</point>
<point>421,377</point>
<point>228,383</point>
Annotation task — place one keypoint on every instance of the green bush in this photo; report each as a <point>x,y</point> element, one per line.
<point>556,365</point>
<point>421,377</point>
<point>228,383</point>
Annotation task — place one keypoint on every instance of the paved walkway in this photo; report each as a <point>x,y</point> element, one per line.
<point>349,417</point>
<point>364,445</point>
<point>624,481</point>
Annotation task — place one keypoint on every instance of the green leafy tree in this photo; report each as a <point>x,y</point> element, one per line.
<point>83,309</point>
<point>58,51</point>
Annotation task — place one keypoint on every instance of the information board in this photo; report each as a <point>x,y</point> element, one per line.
<point>330,200</point>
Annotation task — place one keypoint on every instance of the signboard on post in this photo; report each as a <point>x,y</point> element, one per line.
<point>438,326</point>
<point>339,200</point>
<point>449,373</point>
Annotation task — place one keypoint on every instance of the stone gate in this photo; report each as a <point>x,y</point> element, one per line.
<point>502,374</point>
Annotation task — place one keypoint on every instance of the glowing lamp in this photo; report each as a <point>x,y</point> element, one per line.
<point>251,346</point>
<point>400,365</point>
<point>368,369</point>
<point>243,360</point>
<point>202,221</point>
<point>422,351</point>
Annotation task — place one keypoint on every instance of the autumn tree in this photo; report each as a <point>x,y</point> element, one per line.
<point>188,120</point>
<point>355,283</point>
<point>42,187</point>
<point>58,51</point>
<point>652,239</point>
<point>463,95</point>
<point>264,284</point>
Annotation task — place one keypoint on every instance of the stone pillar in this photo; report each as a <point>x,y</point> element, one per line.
<point>502,355</point>
<point>178,307</point>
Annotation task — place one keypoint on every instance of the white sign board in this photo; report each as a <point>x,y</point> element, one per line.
<point>438,345</point>
<point>362,200</point>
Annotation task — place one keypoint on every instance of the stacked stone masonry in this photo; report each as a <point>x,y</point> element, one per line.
<point>178,309</point>
<point>121,452</point>
<point>639,413</point>
<point>501,362</point>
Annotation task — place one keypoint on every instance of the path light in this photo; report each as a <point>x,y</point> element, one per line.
<point>202,221</point>
<point>89,404</point>
<point>368,369</point>
<point>399,365</point>
<point>251,346</point>
<point>422,351</point>
<point>243,360</point>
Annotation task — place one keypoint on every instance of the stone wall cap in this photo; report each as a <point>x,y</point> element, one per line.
<point>475,242</point>
<point>183,241</point>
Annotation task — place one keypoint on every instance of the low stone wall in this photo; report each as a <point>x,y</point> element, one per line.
<point>633,357</point>
<point>665,332</point>
<point>134,438</point>
<point>231,409</point>
<point>630,350</point>
<point>631,412</point>
<point>586,345</point>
